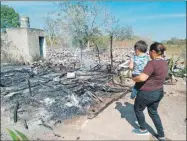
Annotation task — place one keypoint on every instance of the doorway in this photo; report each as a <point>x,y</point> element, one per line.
<point>41,44</point>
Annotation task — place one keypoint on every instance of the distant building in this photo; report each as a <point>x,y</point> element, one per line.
<point>23,44</point>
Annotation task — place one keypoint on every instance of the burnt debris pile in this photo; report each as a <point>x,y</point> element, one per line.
<point>55,90</point>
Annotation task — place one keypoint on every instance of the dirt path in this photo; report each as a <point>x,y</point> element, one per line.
<point>116,122</point>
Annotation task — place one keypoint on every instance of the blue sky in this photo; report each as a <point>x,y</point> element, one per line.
<point>158,20</point>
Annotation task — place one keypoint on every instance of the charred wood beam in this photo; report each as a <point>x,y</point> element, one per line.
<point>29,85</point>
<point>25,124</point>
<point>16,112</point>
<point>107,104</point>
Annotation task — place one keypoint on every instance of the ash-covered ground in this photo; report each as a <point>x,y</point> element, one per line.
<point>43,93</point>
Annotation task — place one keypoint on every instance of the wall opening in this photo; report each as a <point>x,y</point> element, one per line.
<point>41,44</point>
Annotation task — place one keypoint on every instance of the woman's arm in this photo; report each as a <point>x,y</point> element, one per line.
<point>148,70</point>
<point>140,78</point>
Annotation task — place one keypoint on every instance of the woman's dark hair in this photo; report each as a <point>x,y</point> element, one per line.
<point>158,48</point>
<point>141,46</point>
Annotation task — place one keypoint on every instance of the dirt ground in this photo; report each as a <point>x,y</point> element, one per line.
<point>115,122</point>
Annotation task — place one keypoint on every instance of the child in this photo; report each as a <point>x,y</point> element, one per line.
<point>138,62</point>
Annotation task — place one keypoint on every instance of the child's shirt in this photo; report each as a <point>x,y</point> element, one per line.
<point>139,63</point>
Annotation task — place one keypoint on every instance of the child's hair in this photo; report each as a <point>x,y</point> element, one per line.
<point>141,46</point>
<point>158,48</point>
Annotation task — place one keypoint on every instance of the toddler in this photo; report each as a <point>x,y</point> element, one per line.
<point>138,62</point>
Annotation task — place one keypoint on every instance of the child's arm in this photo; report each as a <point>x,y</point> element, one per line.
<point>131,65</point>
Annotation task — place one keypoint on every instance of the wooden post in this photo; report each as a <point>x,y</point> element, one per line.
<point>81,55</point>
<point>29,84</point>
<point>111,53</point>
<point>81,47</point>
<point>98,53</point>
<point>16,112</point>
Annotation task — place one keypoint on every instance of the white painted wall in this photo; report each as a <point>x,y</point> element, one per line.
<point>18,44</point>
<point>25,43</point>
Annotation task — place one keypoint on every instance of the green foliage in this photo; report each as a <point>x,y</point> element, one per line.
<point>9,17</point>
<point>175,41</point>
<point>124,33</point>
<point>13,135</point>
<point>23,137</point>
<point>73,22</point>
<point>17,135</point>
<point>171,65</point>
<point>80,22</point>
<point>176,47</point>
<point>50,40</point>
<point>101,41</point>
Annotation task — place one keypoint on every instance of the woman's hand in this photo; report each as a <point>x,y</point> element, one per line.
<point>141,78</point>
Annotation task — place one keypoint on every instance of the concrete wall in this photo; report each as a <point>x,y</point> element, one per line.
<point>33,43</point>
<point>24,44</point>
<point>18,44</point>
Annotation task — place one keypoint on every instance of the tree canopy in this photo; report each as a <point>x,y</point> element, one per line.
<point>82,23</point>
<point>9,17</point>
<point>174,41</point>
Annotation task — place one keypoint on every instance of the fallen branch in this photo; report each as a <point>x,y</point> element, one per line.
<point>45,125</point>
<point>46,85</point>
<point>106,105</point>
<point>19,88</point>
<point>62,75</point>
<point>22,87</point>
<point>93,95</point>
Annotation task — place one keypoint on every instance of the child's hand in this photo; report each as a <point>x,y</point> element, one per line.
<point>131,65</point>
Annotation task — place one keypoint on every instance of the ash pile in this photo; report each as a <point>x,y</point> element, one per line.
<point>54,89</point>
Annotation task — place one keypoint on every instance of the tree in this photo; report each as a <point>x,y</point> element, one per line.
<point>51,28</point>
<point>78,21</point>
<point>124,33</point>
<point>9,17</point>
<point>113,29</point>
<point>83,23</point>
<point>96,38</point>
<point>72,21</point>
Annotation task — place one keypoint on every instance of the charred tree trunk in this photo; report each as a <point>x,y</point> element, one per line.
<point>81,55</point>
<point>111,53</point>
<point>98,53</point>
<point>29,84</point>
<point>81,47</point>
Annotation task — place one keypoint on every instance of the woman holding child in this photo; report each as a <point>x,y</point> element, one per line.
<point>149,89</point>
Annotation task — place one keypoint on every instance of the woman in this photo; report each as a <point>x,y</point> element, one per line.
<point>151,90</point>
